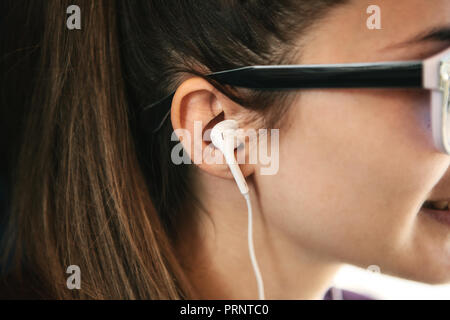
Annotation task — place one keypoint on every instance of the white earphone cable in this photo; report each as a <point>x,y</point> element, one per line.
<point>251,249</point>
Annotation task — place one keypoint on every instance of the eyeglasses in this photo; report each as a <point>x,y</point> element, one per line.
<point>432,73</point>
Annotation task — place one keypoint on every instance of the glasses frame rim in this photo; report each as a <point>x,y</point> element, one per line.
<point>437,78</point>
<point>445,104</point>
<point>426,74</point>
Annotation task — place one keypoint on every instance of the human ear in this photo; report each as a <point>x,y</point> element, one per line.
<point>197,107</point>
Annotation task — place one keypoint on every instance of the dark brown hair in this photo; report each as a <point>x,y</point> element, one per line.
<point>89,187</point>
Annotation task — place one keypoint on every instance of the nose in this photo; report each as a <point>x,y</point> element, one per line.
<point>442,189</point>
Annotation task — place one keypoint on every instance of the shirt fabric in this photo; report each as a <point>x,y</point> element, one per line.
<point>334,293</point>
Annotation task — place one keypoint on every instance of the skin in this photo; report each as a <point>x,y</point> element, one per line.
<point>355,167</point>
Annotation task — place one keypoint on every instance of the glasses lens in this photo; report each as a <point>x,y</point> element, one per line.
<point>445,86</point>
<point>446,105</point>
<point>447,129</point>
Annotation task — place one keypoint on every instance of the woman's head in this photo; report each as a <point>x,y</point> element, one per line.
<point>164,44</point>
<point>355,165</point>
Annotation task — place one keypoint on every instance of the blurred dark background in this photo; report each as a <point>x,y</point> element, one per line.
<point>18,52</point>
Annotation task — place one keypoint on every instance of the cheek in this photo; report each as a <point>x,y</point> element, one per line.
<point>353,167</point>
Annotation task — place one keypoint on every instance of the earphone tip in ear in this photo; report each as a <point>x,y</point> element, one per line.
<point>217,132</point>
<point>226,124</point>
<point>223,136</point>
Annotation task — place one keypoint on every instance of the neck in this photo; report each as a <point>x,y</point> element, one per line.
<point>214,254</point>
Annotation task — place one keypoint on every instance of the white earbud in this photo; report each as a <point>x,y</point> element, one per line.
<point>224,137</point>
